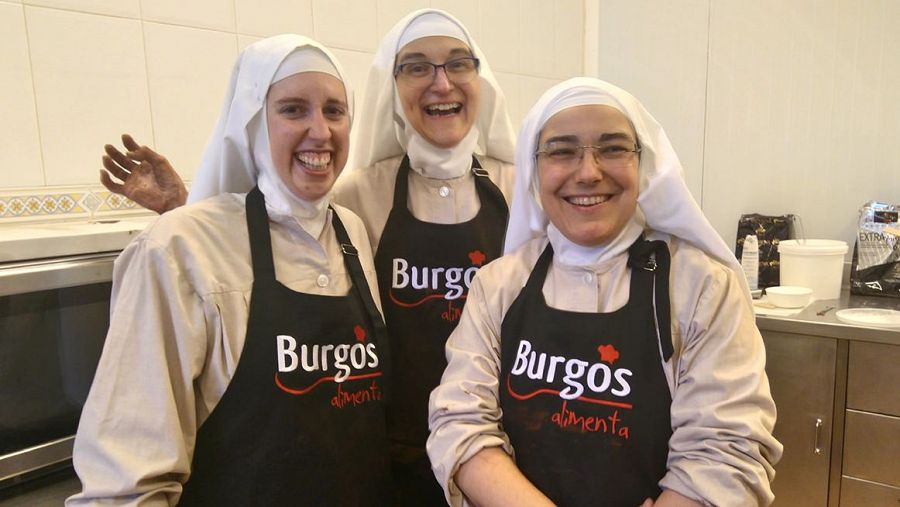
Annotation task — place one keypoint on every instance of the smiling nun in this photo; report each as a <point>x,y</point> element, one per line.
<point>611,357</point>
<point>436,148</point>
<point>245,356</point>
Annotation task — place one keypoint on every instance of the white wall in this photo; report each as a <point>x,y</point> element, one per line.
<point>78,73</point>
<point>774,107</point>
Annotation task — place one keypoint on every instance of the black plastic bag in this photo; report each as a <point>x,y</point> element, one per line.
<point>769,231</point>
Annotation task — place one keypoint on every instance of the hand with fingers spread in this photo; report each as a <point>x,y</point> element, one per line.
<point>146,177</point>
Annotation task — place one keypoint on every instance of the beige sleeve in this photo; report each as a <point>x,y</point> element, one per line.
<point>137,430</point>
<point>464,410</point>
<point>722,450</point>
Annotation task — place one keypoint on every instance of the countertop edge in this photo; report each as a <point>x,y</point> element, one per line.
<point>808,322</point>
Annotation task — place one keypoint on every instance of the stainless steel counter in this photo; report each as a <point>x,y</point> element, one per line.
<point>810,323</point>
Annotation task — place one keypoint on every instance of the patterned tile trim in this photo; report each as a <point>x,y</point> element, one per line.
<point>62,204</point>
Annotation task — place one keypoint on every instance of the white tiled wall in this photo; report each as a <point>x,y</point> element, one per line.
<point>272,17</point>
<point>20,150</point>
<point>120,8</point>
<point>187,70</point>
<point>78,73</point>
<point>90,83</point>
<point>212,14</point>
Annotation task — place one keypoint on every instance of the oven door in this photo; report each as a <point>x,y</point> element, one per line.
<point>54,315</point>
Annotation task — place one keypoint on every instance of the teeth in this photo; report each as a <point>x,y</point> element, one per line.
<point>587,200</point>
<point>441,108</point>
<point>313,159</point>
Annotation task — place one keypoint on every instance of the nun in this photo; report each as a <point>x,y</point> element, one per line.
<point>611,357</point>
<point>246,358</point>
<point>436,149</point>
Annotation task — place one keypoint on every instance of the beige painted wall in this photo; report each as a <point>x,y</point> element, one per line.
<point>774,107</point>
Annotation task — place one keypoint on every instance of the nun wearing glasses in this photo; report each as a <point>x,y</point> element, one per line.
<point>436,148</point>
<point>611,357</point>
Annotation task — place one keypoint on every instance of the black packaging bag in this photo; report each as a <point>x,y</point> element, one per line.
<point>875,268</point>
<point>769,231</point>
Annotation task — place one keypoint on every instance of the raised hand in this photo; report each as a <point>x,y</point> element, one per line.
<point>143,175</point>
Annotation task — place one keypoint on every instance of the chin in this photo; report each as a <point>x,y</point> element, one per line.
<point>443,140</point>
<point>310,193</point>
<point>591,238</point>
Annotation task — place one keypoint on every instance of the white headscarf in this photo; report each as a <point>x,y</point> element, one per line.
<point>238,156</point>
<point>664,202</point>
<point>384,131</point>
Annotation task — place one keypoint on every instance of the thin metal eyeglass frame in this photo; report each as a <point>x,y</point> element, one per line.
<point>596,152</point>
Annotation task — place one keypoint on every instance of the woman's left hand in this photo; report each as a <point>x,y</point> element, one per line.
<point>147,177</point>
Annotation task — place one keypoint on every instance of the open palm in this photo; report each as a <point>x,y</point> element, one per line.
<point>145,176</point>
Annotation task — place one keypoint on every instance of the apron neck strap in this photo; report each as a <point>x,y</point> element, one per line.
<point>260,239</point>
<point>645,258</point>
<point>483,185</point>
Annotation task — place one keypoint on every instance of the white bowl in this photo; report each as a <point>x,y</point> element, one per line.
<point>787,296</point>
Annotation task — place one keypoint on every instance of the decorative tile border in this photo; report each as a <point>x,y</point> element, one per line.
<point>62,204</point>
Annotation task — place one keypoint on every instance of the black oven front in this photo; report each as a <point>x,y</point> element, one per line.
<point>54,315</point>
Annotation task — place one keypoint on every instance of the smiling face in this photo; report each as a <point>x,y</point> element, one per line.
<point>590,200</point>
<point>309,132</point>
<point>441,111</point>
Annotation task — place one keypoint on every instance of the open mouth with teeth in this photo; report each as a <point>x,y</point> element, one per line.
<point>313,160</point>
<point>587,200</point>
<point>447,109</point>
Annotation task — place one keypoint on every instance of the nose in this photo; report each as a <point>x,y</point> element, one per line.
<point>319,128</point>
<point>589,169</point>
<point>441,82</point>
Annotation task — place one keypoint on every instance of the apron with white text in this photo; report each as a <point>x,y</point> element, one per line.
<point>585,399</point>
<point>424,270</point>
<point>302,421</point>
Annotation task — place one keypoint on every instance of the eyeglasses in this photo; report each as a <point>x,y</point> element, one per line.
<point>458,70</point>
<point>563,153</point>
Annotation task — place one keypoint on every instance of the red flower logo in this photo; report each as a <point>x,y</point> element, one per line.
<point>608,353</point>
<point>360,333</point>
<point>477,257</point>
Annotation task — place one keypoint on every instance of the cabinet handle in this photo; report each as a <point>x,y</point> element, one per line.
<point>816,448</point>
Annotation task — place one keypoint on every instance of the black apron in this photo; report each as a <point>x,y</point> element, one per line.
<point>585,399</point>
<point>423,274</point>
<point>286,432</point>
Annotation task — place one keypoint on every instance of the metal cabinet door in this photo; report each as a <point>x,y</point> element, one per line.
<point>801,372</point>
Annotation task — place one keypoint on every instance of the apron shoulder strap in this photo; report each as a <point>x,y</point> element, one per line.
<point>260,238</point>
<point>357,276</point>
<point>484,184</point>
<point>653,257</point>
<point>539,271</point>
<point>401,184</point>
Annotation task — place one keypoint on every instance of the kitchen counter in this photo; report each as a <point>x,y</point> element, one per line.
<point>27,241</point>
<point>808,321</point>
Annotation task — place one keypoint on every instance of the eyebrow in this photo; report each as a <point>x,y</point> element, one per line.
<point>299,100</point>
<point>604,138</point>
<point>421,56</point>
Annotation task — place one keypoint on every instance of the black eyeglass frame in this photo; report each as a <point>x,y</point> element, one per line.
<point>435,66</point>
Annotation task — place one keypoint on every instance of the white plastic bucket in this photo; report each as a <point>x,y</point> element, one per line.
<point>814,263</point>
